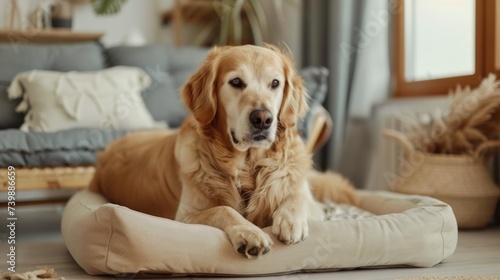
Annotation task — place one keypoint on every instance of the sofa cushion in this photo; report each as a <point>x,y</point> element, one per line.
<point>74,147</point>
<point>109,98</point>
<point>169,68</point>
<point>316,84</point>
<point>15,59</point>
<point>63,57</point>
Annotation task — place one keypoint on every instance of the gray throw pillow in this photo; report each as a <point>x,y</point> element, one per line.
<point>9,118</point>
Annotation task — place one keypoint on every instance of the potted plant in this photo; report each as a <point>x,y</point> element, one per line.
<point>446,157</point>
<point>225,22</point>
<point>107,7</point>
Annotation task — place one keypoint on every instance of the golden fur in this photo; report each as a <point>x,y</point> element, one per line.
<point>217,169</point>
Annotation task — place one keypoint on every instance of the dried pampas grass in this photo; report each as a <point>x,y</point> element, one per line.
<point>473,119</point>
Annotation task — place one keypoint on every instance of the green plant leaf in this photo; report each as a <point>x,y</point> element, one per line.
<point>278,7</point>
<point>225,10</point>
<point>107,7</point>
<point>258,21</point>
<point>237,24</point>
<point>203,34</point>
<point>231,22</point>
<point>260,27</point>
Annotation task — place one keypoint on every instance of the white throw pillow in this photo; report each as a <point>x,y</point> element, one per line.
<point>106,99</point>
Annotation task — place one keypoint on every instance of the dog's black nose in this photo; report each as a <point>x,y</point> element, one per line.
<point>261,118</point>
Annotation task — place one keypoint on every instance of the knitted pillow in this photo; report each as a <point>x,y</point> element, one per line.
<point>107,99</point>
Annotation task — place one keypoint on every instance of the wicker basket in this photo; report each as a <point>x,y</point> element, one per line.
<point>462,181</point>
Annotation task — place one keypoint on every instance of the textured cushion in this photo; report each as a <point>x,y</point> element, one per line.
<point>108,98</point>
<point>15,59</point>
<point>73,147</point>
<point>106,238</point>
<point>316,84</point>
<point>169,68</point>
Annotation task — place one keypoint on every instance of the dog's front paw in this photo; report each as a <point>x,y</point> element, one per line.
<point>249,240</point>
<point>290,227</point>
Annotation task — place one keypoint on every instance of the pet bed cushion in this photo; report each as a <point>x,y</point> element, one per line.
<point>406,230</point>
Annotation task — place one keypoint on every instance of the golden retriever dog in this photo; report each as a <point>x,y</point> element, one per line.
<point>237,163</point>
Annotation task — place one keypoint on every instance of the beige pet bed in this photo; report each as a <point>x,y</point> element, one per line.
<point>406,230</point>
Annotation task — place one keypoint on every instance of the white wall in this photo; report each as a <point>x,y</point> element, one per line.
<point>141,18</point>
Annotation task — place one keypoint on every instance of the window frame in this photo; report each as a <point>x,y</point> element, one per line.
<point>441,86</point>
<point>492,37</point>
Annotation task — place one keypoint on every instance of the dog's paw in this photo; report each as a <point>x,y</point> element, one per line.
<point>249,240</point>
<point>290,227</point>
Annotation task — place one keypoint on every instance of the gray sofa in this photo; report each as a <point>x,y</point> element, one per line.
<point>168,67</point>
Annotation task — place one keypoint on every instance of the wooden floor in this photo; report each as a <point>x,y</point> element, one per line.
<point>39,243</point>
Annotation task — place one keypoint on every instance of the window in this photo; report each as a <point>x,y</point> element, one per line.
<point>442,43</point>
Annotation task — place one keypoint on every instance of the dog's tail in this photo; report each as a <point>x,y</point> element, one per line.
<point>332,186</point>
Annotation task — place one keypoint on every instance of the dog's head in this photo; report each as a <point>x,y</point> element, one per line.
<point>249,92</point>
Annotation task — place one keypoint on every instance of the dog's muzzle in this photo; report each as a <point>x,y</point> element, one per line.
<point>261,119</point>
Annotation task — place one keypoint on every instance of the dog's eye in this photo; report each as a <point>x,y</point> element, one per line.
<point>275,83</point>
<point>237,83</point>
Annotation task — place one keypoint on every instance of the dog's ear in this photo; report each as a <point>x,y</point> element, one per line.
<point>294,103</point>
<point>200,92</point>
